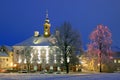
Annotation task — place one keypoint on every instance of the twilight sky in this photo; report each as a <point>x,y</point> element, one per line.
<point>20,18</point>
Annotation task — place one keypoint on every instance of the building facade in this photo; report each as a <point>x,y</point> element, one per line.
<point>6,59</point>
<point>38,53</point>
<point>116,60</point>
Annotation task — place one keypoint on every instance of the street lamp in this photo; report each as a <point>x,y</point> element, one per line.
<point>15,65</point>
<point>68,59</point>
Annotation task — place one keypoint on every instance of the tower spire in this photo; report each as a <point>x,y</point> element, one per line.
<point>46,14</point>
<point>47,19</point>
<point>47,26</point>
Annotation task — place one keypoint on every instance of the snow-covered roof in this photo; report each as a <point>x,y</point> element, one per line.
<point>116,55</point>
<point>10,48</point>
<point>3,54</point>
<point>37,41</point>
<point>115,48</point>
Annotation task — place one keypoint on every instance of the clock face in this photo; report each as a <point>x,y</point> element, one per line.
<point>46,28</point>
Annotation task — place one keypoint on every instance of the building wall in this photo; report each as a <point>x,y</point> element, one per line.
<point>6,62</point>
<point>117,63</point>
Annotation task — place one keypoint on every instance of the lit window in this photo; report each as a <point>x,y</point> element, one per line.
<point>118,61</point>
<point>115,61</point>
<point>39,62</point>
<point>19,60</point>
<point>25,61</point>
<point>47,60</point>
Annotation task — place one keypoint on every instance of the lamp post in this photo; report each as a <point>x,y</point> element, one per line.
<point>68,60</point>
<point>15,65</point>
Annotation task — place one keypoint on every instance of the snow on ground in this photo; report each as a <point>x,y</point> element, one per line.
<point>80,76</point>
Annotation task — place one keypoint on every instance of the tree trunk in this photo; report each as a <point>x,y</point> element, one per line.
<point>67,68</point>
<point>66,64</point>
<point>100,63</point>
<point>100,47</point>
<point>28,67</point>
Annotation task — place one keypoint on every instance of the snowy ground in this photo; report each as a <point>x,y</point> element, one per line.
<point>78,76</point>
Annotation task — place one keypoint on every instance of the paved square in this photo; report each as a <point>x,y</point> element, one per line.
<point>80,76</point>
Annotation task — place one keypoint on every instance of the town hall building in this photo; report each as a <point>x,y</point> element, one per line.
<point>39,52</point>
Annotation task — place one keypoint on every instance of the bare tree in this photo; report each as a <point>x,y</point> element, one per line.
<point>67,40</point>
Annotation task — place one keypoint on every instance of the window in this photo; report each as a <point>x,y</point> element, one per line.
<point>119,61</point>
<point>43,53</point>
<point>11,54</point>
<point>115,61</point>
<point>17,51</point>
<point>46,27</point>
<point>7,59</point>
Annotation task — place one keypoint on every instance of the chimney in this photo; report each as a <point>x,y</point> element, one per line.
<point>36,33</point>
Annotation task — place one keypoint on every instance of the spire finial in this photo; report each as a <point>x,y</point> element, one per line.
<point>46,14</point>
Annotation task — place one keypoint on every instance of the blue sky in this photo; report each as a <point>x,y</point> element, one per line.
<point>20,18</point>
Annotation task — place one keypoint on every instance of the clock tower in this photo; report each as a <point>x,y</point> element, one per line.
<point>47,26</point>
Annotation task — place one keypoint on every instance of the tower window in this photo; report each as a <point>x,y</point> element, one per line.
<point>46,27</point>
<point>7,59</point>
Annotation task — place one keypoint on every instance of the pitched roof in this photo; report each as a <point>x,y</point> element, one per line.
<point>6,48</point>
<point>37,41</point>
<point>10,48</point>
<point>3,54</point>
<point>117,54</point>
